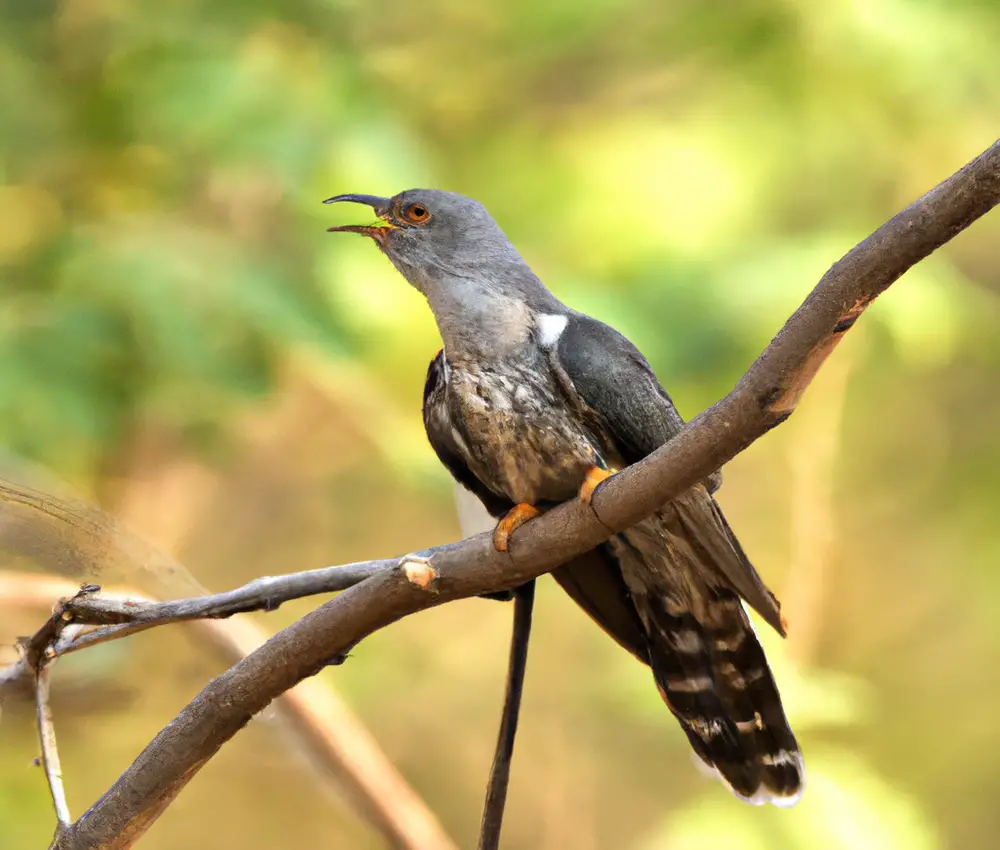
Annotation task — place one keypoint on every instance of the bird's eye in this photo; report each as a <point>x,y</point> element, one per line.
<point>416,214</point>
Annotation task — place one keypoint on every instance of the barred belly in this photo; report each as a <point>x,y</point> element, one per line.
<point>517,431</point>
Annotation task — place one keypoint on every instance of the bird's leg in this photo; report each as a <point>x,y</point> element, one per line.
<point>592,480</point>
<point>516,517</point>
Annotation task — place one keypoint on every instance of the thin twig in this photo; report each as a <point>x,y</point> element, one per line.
<point>496,789</point>
<point>122,614</point>
<point>261,594</point>
<point>76,637</point>
<point>92,617</point>
<point>50,753</point>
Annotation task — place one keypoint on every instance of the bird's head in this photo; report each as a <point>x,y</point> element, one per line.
<point>482,293</point>
<point>436,238</point>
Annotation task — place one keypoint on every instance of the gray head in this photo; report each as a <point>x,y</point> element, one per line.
<point>450,248</point>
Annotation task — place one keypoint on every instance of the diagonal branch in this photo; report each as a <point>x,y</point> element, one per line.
<point>766,395</point>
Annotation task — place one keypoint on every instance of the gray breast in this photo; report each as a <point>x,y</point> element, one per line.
<point>518,433</point>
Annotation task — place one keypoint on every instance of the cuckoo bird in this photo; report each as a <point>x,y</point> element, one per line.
<point>530,403</point>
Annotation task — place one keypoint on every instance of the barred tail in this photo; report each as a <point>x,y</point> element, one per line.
<point>712,673</point>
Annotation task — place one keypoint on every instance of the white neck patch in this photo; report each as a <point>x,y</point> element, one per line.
<point>550,327</point>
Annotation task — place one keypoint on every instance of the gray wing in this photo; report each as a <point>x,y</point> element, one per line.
<point>614,380</point>
<point>636,416</point>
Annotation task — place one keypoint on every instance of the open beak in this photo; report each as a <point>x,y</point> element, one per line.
<point>378,230</point>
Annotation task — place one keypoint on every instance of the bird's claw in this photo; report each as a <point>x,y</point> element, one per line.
<point>515,518</point>
<point>595,476</point>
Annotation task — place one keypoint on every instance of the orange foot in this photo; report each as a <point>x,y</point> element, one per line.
<point>592,480</point>
<point>516,516</point>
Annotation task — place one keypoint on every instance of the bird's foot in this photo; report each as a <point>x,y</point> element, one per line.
<point>595,476</point>
<point>516,517</point>
<point>418,570</point>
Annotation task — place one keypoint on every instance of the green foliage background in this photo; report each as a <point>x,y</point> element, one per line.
<point>181,340</point>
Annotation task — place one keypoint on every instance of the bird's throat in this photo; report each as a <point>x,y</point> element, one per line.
<point>480,324</point>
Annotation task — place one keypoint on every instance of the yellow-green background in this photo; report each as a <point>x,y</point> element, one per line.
<point>182,342</point>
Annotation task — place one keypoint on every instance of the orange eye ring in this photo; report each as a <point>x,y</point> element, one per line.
<point>416,214</point>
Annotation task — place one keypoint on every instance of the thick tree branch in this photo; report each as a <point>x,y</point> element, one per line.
<point>763,398</point>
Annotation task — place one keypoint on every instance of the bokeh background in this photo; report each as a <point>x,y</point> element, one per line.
<point>182,343</point>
